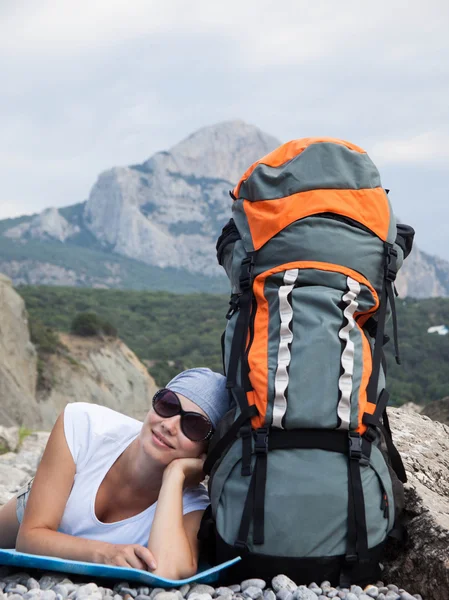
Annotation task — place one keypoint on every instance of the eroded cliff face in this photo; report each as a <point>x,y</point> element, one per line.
<point>18,361</point>
<point>100,370</point>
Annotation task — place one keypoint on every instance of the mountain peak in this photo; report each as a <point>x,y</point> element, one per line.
<point>221,151</point>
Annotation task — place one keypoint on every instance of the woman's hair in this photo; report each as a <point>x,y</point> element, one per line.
<point>206,389</point>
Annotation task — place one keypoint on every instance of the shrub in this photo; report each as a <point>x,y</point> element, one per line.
<point>89,324</point>
<point>43,337</point>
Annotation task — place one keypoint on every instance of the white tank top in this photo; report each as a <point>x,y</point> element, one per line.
<point>96,437</point>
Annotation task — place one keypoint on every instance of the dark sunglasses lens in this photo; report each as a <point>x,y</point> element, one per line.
<point>195,427</point>
<point>167,404</point>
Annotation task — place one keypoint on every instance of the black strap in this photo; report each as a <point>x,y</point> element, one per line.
<point>260,475</point>
<point>374,420</point>
<point>357,540</point>
<point>228,437</point>
<point>321,439</point>
<point>386,295</point>
<point>239,338</point>
<point>390,293</point>
<point>245,523</point>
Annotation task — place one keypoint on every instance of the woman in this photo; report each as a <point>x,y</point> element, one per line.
<point>112,490</point>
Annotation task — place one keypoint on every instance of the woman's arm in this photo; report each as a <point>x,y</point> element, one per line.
<point>45,506</point>
<point>173,537</point>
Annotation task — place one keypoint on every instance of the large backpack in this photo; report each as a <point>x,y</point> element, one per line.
<point>304,478</point>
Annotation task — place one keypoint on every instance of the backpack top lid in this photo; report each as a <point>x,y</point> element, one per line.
<point>306,177</point>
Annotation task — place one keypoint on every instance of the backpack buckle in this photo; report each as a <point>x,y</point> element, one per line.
<point>355,446</point>
<point>391,268</point>
<point>233,306</point>
<point>246,273</point>
<point>261,441</point>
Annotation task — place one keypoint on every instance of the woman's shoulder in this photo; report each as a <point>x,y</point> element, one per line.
<point>86,425</point>
<point>100,419</point>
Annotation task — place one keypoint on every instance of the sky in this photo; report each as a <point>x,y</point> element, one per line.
<point>92,84</point>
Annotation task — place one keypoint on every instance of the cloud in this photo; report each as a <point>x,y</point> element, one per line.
<point>91,84</point>
<point>430,148</point>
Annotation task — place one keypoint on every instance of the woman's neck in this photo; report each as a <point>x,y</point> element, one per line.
<point>138,471</point>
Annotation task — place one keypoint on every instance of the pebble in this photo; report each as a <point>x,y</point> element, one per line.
<point>284,594</point>
<point>282,581</point>
<point>223,591</point>
<point>303,593</point>
<point>56,586</point>
<point>252,592</point>
<point>61,589</point>
<point>258,583</point>
<point>202,588</point>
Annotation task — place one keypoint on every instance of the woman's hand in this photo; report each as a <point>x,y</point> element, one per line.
<point>189,468</point>
<point>127,555</point>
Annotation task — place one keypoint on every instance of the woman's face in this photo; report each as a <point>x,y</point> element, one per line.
<point>163,438</point>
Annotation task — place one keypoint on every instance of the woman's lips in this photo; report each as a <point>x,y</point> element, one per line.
<point>160,441</point>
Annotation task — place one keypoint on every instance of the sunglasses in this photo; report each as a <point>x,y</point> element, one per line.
<point>194,425</point>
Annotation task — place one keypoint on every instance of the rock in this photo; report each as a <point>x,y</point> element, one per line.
<point>259,583</point>
<point>253,592</point>
<point>201,588</point>
<point>9,439</point>
<point>423,564</point>
<point>282,581</point>
<point>223,591</point>
<point>18,360</point>
<point>303,593</point>
<point>269,595</point>
<point>167,596</point>
<point>284,594</point>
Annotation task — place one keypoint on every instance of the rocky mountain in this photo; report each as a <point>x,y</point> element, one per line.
<point>103,371</point>
<point>152,225</point>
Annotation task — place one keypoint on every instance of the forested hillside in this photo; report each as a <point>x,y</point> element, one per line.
<point>171,332</point>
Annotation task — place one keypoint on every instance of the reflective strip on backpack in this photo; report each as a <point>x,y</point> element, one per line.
<point>284,356</point>
<point>347,356</point>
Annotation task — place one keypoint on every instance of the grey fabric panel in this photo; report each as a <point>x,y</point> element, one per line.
<point>239,216</point>
<point>230,328</point>
<point>325,240</point>
<point>315,366</point>
<point>305,504</point>
<point>232,259</point>
<point>378,463</point>
<point>320,166</point>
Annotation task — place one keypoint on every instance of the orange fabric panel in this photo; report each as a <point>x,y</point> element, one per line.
<point>364,405</point>
<point>258,354</point>
<point>288,151</point>
<point>370,207</point>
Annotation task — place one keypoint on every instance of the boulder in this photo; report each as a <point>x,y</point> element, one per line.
<point>9,439</point>
<point>422,565</point>
<point>18,359</point>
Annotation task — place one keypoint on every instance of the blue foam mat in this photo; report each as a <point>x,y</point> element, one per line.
<point>50,563</point>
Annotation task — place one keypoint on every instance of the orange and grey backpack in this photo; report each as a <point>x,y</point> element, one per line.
<point>304,477</point>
